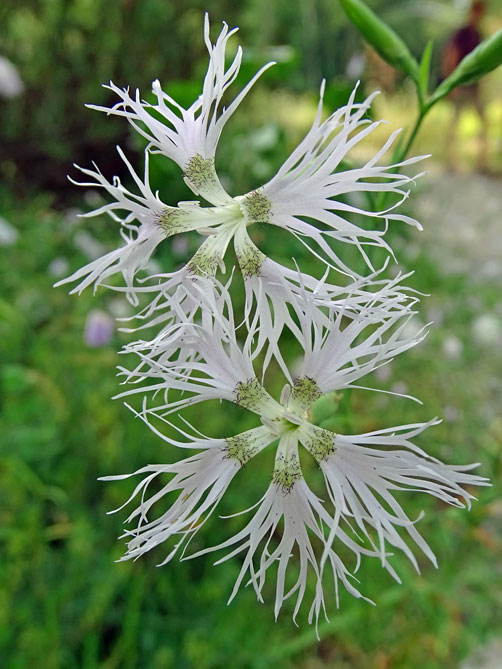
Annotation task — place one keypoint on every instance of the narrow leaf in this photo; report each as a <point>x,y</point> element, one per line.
<point>485,58</point>
<point>381,37</point>
<point>425,64</point>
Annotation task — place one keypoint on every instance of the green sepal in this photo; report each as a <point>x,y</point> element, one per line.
<point>323,409</point>
<point>381,37</point>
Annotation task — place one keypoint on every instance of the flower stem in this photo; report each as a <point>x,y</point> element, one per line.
<point>401,154</point>
<point>413,134</point>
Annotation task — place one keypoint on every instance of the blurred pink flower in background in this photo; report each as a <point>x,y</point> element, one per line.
<point>98,329</point>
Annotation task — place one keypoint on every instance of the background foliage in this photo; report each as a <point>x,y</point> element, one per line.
<point>63,601</point>
<point>66,48</point>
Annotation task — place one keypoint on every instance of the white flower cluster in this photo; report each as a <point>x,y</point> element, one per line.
<point>202,351</point>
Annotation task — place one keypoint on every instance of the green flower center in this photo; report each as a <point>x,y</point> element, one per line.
<point>256,208</point>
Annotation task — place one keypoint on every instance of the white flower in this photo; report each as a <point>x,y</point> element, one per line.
<point>200,350</point>
<point>200,481</point>
<point>156,222</point>
<point>288,500</point>
<point>202,360</point>
<point>11,84</point>
<point>362,472</point>
<point>306,186</point>
<point>276,292</point>
<point>189,136</point>
<point>346,350</point>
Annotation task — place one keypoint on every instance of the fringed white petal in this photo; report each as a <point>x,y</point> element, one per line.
<point>189,136</point>
<point>348,349</point>
<point>364,472</point>
<point>200,482</point>
<point>204,360</point>
<point>310,184</point>
<point>141,237</point>
<point>292,548</point>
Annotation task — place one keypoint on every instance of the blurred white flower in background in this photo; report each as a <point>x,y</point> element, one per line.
<point>8,233</point>
<point>11,84</point>
<point>452,347</point>
<point>487,329</point>
<point>88,245</point>
<point>58,267</point>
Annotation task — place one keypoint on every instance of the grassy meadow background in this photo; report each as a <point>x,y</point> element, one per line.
<point>64,601</point>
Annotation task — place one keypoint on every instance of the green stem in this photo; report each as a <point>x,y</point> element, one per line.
<point>413,134</point>
<point>402,153</point>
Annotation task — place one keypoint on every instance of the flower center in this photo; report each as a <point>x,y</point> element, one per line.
<point>201,177</point>
<point>256,208</point>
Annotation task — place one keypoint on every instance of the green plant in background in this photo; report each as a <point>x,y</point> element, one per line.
<point>63,602</point>
<point>63,47</point>
<point>390,46</point>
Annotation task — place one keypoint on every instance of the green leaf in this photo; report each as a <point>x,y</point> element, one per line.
<point>425,64</point>
<point>485,58</point>
<point>381,37</point>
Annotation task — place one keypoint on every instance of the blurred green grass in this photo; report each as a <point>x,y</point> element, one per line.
<point>63,600</point>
